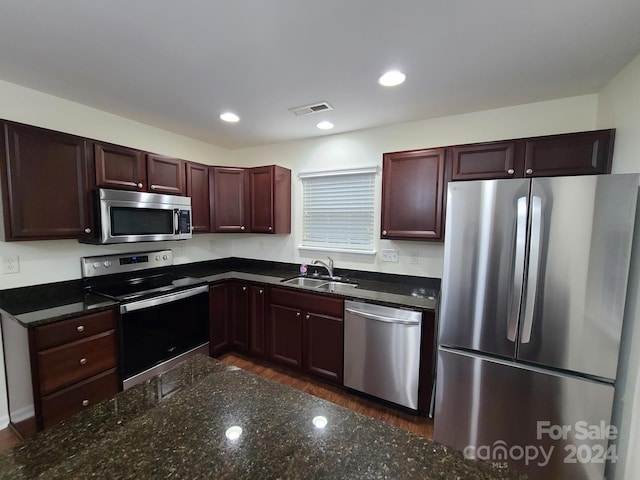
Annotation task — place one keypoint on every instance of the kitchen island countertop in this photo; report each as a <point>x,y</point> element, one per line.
<point>175,426</point>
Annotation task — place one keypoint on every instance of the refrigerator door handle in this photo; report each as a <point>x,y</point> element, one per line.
<point>534,267</point>
<point>518,268</point>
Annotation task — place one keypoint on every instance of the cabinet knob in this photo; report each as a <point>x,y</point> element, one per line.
<point>140,185</point>
<point>307,317</point>
<point>244,289</point>
<point>83,361</point>
<point>297,314</point>
<point>511,171</point>
<point>85,403</point>
<point>80,328</point>
<point>87,230</point>
<point>384,232</point>
<point>242,227</point>
<point>270,229</point>
<point>261,291</point>
<point>153,187</point>
<point>529,171</point>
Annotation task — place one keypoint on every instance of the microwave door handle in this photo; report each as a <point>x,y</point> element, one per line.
<point>176,221</point>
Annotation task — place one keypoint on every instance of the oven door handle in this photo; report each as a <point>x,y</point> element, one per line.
<point>170,297</point>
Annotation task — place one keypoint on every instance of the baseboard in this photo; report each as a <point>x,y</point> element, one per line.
<point>4,422</point>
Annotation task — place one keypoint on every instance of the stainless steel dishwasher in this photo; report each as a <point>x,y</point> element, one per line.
<point>382,351</point>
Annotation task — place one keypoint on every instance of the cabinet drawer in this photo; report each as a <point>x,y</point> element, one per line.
<point>308,302</point>
<point>74,329</point>
<point>70,363</point>
<point>65,403</point>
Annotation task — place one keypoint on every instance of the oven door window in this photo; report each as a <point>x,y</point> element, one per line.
<point>155,334</point>
<point>141,221</point>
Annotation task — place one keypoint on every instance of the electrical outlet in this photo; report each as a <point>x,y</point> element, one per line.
<point>10,264</point>
<point>414,258</point>
<point>389,255</point>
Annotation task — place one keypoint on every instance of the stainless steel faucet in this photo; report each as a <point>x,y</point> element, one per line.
<point>328,266</point>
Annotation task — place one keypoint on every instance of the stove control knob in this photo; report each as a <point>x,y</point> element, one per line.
<point>107,263</point>
<point>157,258</point>
<point>96,265</point>
<point>165,256</point>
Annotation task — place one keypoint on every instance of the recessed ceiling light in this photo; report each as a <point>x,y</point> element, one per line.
<point>229,117</point>
<point>324,125</point>
<point>391,78</point>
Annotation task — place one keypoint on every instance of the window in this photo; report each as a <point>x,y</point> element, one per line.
<point>338,210</point>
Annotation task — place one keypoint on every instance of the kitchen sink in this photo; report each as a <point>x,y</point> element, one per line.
<point>337,287</point>
<point>305,282</point>
<point>321,284</point>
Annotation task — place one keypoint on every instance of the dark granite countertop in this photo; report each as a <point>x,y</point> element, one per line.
<point>175,426</point>
<point>41,304</point>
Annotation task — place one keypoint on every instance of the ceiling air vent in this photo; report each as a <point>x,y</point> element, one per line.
<point>313,108</point>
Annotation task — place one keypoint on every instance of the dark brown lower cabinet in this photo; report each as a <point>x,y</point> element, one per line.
<point>219,319</point>
<point>239,310</point>
<point>323,346</point>
<point>257,314</point>
<point>306,331</point>
<point>73,365</point>
<point>285,335</point>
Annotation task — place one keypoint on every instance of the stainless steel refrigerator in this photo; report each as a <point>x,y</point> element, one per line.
<point>533,292</point>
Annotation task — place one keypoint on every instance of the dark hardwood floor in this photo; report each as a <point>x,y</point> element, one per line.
<point>419,425</point>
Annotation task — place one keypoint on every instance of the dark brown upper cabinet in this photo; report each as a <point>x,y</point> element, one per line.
<point>413,194</point>
<point>47,178</point>
<point>583,153</point>
<point>229,209</point>
<point>166,175</point>
<point>120,167</point>
<point>130,169</point>
<point>269,199</point>
<point>485,160</point>
<point>198,190</point>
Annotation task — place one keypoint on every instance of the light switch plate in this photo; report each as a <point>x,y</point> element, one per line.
<point>389,255</point>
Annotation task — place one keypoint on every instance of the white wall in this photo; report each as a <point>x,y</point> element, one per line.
<point>619,105</point>
<point>366,147</point>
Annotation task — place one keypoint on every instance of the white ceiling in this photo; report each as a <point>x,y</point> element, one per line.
<point>179,64</point>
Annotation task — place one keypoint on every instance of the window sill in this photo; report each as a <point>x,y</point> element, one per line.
<point>337,250</point>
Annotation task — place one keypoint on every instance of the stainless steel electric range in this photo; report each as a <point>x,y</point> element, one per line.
<point>164,317</point>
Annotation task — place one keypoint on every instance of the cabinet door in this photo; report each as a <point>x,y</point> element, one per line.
<point>569,154</point>
<point>257,306</point>
<point>229,201</point>
<point>323,346</point>
<point>485,161</point>
<point>239,316</point>
<point>47,178</point>
<point>285,335</point>
<point>198,190</point>
<point>120,167</point>
<point>413,194</point>
<point>218,320</point>
<point>261,199</point>
<point>166,175</point>
<point>269,199</point>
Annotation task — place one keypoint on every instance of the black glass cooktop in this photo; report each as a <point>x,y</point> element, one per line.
<point>143,286</point>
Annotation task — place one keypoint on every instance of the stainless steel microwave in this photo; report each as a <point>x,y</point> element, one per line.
<point>123,216</point>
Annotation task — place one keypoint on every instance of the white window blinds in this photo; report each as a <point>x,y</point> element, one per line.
<point>338,210</point>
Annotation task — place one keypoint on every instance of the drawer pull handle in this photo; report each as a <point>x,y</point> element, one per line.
<point>80,328</point>
<point>85,403</point>
<point>83,361</point>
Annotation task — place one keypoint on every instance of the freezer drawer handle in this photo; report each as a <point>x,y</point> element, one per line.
<point>518,269</point>
<point>534,267</point>
<point>380,318</point>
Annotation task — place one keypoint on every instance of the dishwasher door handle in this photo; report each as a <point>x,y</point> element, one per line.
<point>381,318</point>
